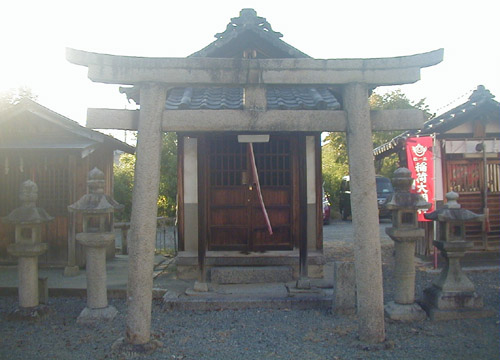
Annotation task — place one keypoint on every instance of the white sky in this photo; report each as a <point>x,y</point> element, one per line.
<point>34,35</point>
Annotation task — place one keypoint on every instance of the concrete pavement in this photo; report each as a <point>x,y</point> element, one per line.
<point>58,284</point>
<point>339,230</point>
<point>278,295</point>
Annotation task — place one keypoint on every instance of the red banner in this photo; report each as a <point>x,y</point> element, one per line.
<point>420,156</point>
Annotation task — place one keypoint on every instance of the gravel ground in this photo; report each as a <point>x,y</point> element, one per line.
<point>257,334</point>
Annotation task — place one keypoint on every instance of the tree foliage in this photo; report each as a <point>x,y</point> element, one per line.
<point>167,201</point>
<point>124,180</point>
<point>335,161</point>
<point>123,185</point>
<point>392,101</point>
<point>14,95</point>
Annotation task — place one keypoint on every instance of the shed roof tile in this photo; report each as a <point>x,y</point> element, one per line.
<point>278,98</point>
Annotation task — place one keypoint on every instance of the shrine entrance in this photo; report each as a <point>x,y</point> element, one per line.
<point>235,219</point>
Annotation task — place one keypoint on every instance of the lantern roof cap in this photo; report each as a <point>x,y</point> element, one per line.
<point>452,211</point>
<point>95,202</point>
<point>28,212</point>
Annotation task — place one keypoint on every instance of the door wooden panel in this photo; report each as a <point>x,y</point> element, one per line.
<point>235,218</point>
<point>228,212</point>
<point>278,241</point>
<point>228,238</point>
<point>228,216</point>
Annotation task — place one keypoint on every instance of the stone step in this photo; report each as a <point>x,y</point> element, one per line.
<point>186,303</point>
<point>251,274</point>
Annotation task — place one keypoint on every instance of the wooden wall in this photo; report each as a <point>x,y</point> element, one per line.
<point>466,177</point>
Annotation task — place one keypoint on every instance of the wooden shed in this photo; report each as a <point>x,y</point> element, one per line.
<point>462,165</point>
<point>57,154</point>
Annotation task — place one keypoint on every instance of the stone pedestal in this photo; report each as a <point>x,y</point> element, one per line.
<point>28,220</point>
<point>404,312</point>
<point>303,283</point>
<point>453,295</point>
<point>200,286</point>
<point>344,288</point>
<point>27,271</point>
<point>404,271</point>
<point>97,299</point>
<point>404,307</point>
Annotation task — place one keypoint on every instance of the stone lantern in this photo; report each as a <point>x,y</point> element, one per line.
<point>96,236</point>
<point>405,232</point>
<point>453,295</point>
<point>28,220</point>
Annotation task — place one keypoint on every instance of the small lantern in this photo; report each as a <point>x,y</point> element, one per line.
<point>453,295</point>
<point>28,220</point>
<point>452,219</point>
<point>405,232</point>
<point>95,208</point>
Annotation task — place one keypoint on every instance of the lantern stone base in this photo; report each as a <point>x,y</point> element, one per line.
<point>91,316</point>
<point>70,271</point>
<point>200,286</point>
<point>303,284</point>
<point>121,347</point>
<point>35,313</point>
<point>404,312</point>
<point>447,305</point>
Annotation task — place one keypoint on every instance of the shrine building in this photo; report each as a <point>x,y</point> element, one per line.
<point>249,110</point>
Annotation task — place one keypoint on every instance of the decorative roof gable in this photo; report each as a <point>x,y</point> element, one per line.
<point>49,130</point>
<point>249,36</point>
<point>480,102</point>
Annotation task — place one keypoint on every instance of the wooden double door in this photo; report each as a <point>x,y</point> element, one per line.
<point>235,220</point>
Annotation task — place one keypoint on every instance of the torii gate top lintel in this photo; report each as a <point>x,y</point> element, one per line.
<point>129,70</point>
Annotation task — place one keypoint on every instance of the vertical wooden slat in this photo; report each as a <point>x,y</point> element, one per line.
<point>319,192</point>
<point>302,208</point>
<point>180,192</point>
<point>295,166</point>
<point>202,208</point>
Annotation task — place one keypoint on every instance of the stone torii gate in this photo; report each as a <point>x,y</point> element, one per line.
<point>354,78</point>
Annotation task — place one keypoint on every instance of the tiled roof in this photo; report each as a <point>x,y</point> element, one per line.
<point>88,136</point>
<point>278,98</point>
<point>213,98</point>
<point>480,100</point>
<point>301,98</point>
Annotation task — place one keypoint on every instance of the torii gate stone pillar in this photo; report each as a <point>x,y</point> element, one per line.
<point>352,77</point>
<point>143,219</point>
<point>367,256</point>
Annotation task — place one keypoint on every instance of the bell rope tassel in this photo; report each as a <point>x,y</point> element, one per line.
<point>259,192</point>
